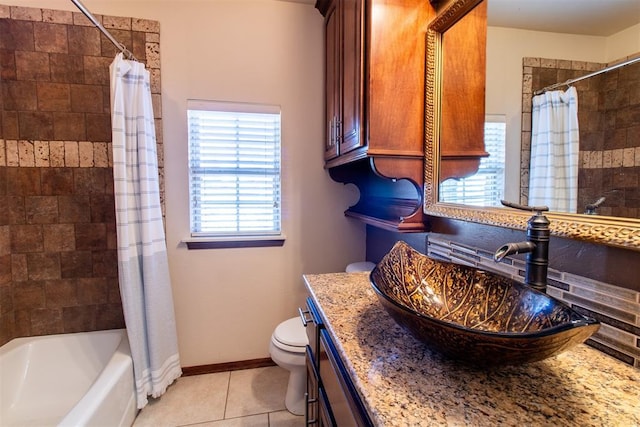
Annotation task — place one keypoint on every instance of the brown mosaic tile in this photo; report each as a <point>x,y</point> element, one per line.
<point>15,210</point>
<point>5,274</point>
<point>10,124</point>
<point>114,290</point>
<point>61,293</point>
<point>105,263</point>
<point>22,323</point>
<point>66,68</point>
<point>103,208</point>
<point>109,49</point>
<point>7,65</point>
<point>86,98</point>
<point>53,96</point>
<point>28,295</point>
<point>109,316</point>
<point>35,125</point>
<point>41,209</point>
<point>78,319</point>
<point>46,321</point>
<point>16,35</point>
<point>74,209</point>
<point>59,237</point>
<point>93,291</point>
<point>99,129</point>
<point>138,45</point>
<point>19,272</point>
<point>75,264</point>
<point>91,236</point>
<point>20,95</point>
<point>57,181</point>
<point>43,265</point>
<point>23,182</point>
<point>84,41</point>
<point>89,180</point>
<point>50,37</point>
<point>69,126</point>
<point>32,66</point>
<point>5,240</point>
<point>96,70</point>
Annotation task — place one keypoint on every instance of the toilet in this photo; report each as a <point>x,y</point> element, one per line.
<point>288,350</point>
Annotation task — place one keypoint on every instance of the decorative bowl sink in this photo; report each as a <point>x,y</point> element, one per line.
<point>472,315</point>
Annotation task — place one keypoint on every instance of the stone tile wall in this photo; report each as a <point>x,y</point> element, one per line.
<point>617,308</point>
<point>609,131</point>
<point>58,261</point>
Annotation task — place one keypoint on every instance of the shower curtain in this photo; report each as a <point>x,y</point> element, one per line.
<point>143,269</point>
<point>553,172</point>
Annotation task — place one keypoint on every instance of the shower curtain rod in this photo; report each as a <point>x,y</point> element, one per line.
<point>95,22</point>
<point>595,73</point>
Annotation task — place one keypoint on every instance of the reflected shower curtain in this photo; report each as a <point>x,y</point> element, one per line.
<point>143,270</point>
<point>553,173</point>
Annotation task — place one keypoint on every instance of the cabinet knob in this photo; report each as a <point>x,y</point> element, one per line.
<point>303,316</point>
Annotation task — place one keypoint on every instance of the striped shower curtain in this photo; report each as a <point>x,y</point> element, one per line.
<point>143,270</point>
<point>553,172</point>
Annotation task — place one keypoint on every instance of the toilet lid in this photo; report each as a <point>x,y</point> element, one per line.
<point>291,332</point>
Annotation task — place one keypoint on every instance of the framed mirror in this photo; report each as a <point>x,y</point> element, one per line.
<point>609,230</point>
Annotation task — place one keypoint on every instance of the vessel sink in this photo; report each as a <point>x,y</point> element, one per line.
<point>473,315</point>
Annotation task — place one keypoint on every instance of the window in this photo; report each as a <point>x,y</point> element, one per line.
<point>486,187</point>
<point>234,174</point>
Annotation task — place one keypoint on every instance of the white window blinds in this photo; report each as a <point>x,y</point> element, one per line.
<point>486,187</point>
<point>234,169</point>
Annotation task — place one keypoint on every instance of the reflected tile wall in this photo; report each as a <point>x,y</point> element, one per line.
<point>617,308</point>
<point>58,260</point>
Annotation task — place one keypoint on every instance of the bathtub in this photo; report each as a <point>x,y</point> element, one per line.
<point>81,379</point>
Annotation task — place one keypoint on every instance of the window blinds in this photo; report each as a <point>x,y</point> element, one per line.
<point>486,187</point>
<point>234,169</point>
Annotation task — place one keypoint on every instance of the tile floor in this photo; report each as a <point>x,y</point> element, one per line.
<point>245,398</point>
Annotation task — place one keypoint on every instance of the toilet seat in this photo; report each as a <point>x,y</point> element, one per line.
<point>290,335</point>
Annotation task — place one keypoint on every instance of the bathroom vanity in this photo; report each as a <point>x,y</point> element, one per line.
<point>367,370</point>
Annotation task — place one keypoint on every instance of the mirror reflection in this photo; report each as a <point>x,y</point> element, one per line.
<point>590,165</point>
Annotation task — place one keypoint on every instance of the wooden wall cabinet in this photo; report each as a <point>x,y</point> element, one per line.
<point>375,116</point>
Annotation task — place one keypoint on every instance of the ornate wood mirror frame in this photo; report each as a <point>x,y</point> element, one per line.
<point>613,231</point>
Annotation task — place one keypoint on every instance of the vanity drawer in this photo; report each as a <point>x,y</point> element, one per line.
<point>313,324</point>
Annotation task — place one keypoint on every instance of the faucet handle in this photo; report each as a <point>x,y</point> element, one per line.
<point>538,209</point>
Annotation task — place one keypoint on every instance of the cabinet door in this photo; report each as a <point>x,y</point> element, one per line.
<point>332,84</point>
<point>344,404</point>
<point>352,14</point>
<point>312,412</point>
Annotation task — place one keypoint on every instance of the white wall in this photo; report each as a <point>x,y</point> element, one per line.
<point>505,49</point>
<point>227,301</point>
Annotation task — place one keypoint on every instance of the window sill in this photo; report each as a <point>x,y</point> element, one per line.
<point>233,242</point>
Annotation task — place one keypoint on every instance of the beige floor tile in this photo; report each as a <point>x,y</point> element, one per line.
<point>189,400</point>
<point>261,420</point>
<point>285,419</point>
<point>256,391</point>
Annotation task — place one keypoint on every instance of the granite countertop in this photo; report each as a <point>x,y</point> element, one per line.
<point>403,383</point>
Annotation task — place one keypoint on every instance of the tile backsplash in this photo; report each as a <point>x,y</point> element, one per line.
<point>617,308</point>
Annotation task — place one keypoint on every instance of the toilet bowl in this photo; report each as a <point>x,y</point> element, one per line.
<point>287,349</point>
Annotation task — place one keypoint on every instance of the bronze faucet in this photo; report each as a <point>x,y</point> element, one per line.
<point>536,246</point>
